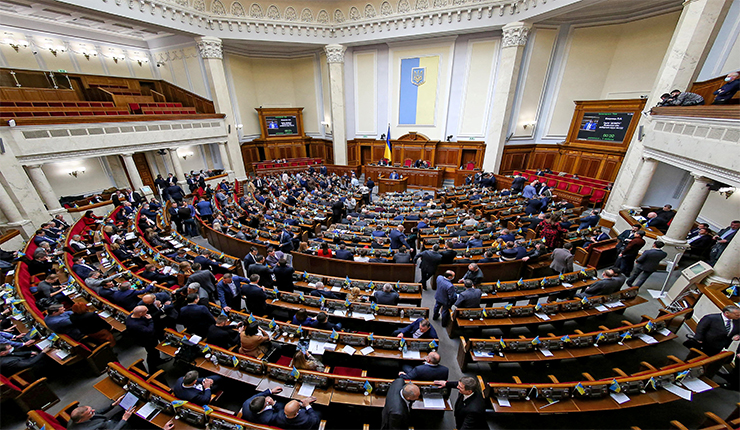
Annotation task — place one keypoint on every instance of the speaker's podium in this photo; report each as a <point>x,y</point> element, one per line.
<point>387,185</point>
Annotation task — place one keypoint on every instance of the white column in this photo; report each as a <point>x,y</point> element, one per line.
<point>13,215</point>
<point>512,48</point>
<point>692,39</point>
<point>133,172</point>
<point>641,184</point>
<point>224,152</point>
<point>212,53</point>
<point>728,264</point>
<point>688,211</point>
<point>43,187</point>
<point>335,59</point>
<point>179,173</point>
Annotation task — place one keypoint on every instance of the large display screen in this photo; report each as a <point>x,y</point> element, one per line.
<point>281,125</point>
<point>604,127</point>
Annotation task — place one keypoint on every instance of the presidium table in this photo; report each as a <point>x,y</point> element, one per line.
<point>386,185</point>
<point>417,178</point>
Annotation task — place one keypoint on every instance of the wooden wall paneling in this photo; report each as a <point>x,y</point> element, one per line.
<point>568,161</point>
<point>610,168</point>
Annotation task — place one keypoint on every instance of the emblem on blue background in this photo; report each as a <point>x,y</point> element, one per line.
<point>418,75</point>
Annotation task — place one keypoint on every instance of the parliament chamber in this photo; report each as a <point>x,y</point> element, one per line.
<point>370,215</point>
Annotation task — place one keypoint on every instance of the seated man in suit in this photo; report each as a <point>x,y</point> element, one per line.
<point>343,253</point>
<point>262,408</point>
<point>700,243</point>
<point>715,332</point>
<point>127,298</point>
<point>653,220</point>
<point>590,220</point>
<point>419,329</point>
<point>430,370</point>
<point>82,269</point>
<point>386,296</point>
<point>195,317</point>
<point>609,283</point>
<point>87,418</point>
<point>222,334</point>
<point>402,256</point>
<point>470,298</point>
<point>666,212</point>
<point>298,415</point>
<point>194,389</point>
<point>323,291</point>
<point>322,323</point>
<point>474,274</point>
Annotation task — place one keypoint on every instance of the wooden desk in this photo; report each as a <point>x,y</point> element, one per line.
<point>418,178</point>
<point>461,174</point>
<point>387,185</point>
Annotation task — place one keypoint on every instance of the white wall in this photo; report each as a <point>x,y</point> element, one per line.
<point>668,186</point>
<point>724,56</point>
<point>93,180</point>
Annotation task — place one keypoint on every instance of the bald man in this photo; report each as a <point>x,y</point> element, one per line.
<point>298,415</point>
<point>87,418</point>
<point>140,329</point>
<point>398,403</point>
<point>430,370</point>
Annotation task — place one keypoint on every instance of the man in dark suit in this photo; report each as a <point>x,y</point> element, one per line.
<point>609,283</point>
<point>195,317</point>
<point>386,296</point>
<point>343,253</point>
<point>445,297</point>
<point>222,334</point>
<point>127,298</point>
<point>87,418</point>
<point>140,329</point>
<point>667,213</point>
<point>229,290</point>
<point>700,243</point>
<point>449,254</point>
<point>194,389</point>
<point>653,220</point>
<point>261,269</point>
<point>284,275</point>
<point>81,269</point>
<point>205,279</point>
<point>430,370</point>
<point>470,298</point>
<point>251,258</point>
<point>298,415</point>
<point>517,185</point>
<point>722,239</point>
<point>470,408</point>
<point>398,238</point>
<point>715,332</point>
<point>626,236</point>
<point>398,403</point>
<point>430,260</point>
<point>419,329</point>
<point>255,296</point>
<point>589,221</point>
<point>262,408</point>
<point>626,259</point>
<point>646,264</point>
<point>12,361</point>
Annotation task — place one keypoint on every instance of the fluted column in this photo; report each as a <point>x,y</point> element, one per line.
<point>335,59</point>
<point>211,51</point>
<point>179,173</point>
<point>9,209</point>
<point>223,150</point>
<point>43,187</point>
<point>641,184</point>
<point>133,172</point>
<point>688,211</point>
<point>728,264</point>
<point>512,47</point>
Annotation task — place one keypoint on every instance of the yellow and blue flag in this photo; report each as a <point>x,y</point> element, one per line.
<point>347,281</point>
<point>33,333</point>
<point>334,335</point>
<point>651,382</point>
<point>649,326</point>
<point>52,337</point>
<point>402,342</point>
<point>370,337</point>
<point>584,301</point>
<point>543,282</point>
<point>433,344</point>
<point>206,349</point>
<point>580,388</point>
<point>387,152</point>
<point>484,313</point>
<point>502,343</point>
<point>295,374</point>
<point>368,387</point>
<point>536,340</point>
<point>566,339</point>
<point>207,409</point>
<point>600,337</point>
<point>301,297</point>
<point>614,386</point>
<point>537,307</point>
<point>300,330</point>
<point>178,403</point>
<point>417,93</point>
<point>733,290</point>
<point>508,307</point>
<point>682,375</point>
<point>234,360</point>
<point>520,282</point>
<point>250,319</point>
<point>272,324</point>
<point>373,306</point>
<point>626,336</point>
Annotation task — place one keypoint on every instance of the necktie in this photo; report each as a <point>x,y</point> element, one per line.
<point>728,326</point>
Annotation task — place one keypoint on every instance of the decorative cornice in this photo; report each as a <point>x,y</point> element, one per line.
<point>334,53</point>
<point>515,34</point>
<point>695,167</point>
<point>210,47</point>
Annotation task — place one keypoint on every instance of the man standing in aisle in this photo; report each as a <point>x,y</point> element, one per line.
<point>445,297</point>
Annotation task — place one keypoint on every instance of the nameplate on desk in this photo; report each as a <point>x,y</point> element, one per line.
<point>503,402</point>
<point>665,332</point>
<point>620,397</point>
<point>62,354</point>
<point>546,352</point>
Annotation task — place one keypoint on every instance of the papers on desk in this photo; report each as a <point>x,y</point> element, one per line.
<point>665,332</point>
<point>68,292</point>
<point>566,285</point>
<point>367,350</point>
<point>330,346</point>
<point>62,354</point>
<point>546,352</point>
<point>503,402</point>
<point>601,308</point>
<point>227,266</point>
<point>43,344</point>
<point>411,355</point>
<point>696,385</point>
<point>680,392</point>
<point>521,303</point>
<point>349,350</point>
<point>366,317</point>
<point>148,411</point>
<point>614,304</point>
<point>104,314</point>
<point>195,338</point>
<point>434,403</point>
<point>542,316</point>
<point>130,235</point>
<point>620,397</point>
<point>11,272</point>
<point>316,347</point>
<point>176,245</point>
<point>306,390</point>
<point>336,289</point>
<point>128,401</point>
<point>167,270</point>
<point>340,312</point>
<point>484,295</point>
<point>647,338</point>
<point>481,354</point>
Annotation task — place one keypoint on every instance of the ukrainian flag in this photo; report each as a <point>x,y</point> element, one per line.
<point>387,153</point>
<point>418,91</point>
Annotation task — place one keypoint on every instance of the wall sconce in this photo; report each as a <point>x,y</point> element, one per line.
<point>87,55</point>
<point>56,49</point>
<point>239,126</point>
<point>77,171</point>
<point>141,61</point>
<point>185,155</point>
<point>16,44</point>
<point>726,191</point>
<point>529,124</point>
<point>117,58</point>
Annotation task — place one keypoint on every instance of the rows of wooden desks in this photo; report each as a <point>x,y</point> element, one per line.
<point>419,178</point>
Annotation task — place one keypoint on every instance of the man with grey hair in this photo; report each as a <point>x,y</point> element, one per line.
<point>470,408</point>
<point>398,402</point>
<point>430,370</point>
<point>386,296</point>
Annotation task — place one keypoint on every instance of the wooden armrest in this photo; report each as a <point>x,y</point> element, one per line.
<point>553,379</point>
<point>619,372</point>
<point>678,425</point>
<point>550,334</point>
<point>645,318</point>
<point>521,336</point>
<point>675,360</point>
<point>322,425</point>
<point>647,366</point>
<point>516,380</point>
<point>603,327</point>
<point>21,378</point>
<point>663,311</point>
<point>625,322</point>
<point>588,376</point>
<point>327,369</point>
<point>712,416</point>
<point>577,331</point>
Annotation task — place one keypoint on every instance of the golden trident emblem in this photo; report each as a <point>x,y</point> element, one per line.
<point>418,75</point>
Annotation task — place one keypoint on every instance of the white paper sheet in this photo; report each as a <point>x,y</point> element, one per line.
<point>316,347</point>
<point>411,355</point>
<point>696,385</point>
<point>541,316</point>
<point>104,314</point>
<point>566,285</point>
<point>647,338</point>
<point>330,346</point>
<point>146,410</point>
<point>601,308</point>
<point>481,354</point>
<point>306,390</point>
<point>349,350</point>
<point>368,317</point>
<point>128,401</point>
<point>61,353</point>
<point>43,344</point>
<point>620,397</point>
<point>546,352</point>
<point>665,332</point>
<point>367,350</point>
<point>195,338</point>
<point>227,266</point>
<point>434,403</point>
<point>503,402</point>
<point>336,289</point>
<point>656,294</point>
<point>340,312</point>
<point>680,392</point>
<point>616,304</point>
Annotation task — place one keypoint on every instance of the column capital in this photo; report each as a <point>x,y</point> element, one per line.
<point>698,177</point>
<point>173,149</point>
<point>335,53</point>
<point>34,166</point>
<point>515,34</point>
<point>210,47</point>
<point>127,154</point>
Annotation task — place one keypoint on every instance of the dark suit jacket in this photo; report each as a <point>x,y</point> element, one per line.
<point>128,299</point>
<point>284,277</point>
<point>659,223</point>
<point>306,419</point>
<point>518,184</point>
<point>603,286</point>
<point>192,394</point>
<point>711,331</point>
<point>427,372</point>
<point>470,414</point>
<point>633,247</point>
<point>343,254</point>
<point>225,296</point>
<point>448,256</point>
<point>398,239</point>
<point>395,413</point>
<point>255,298</point>
<point>224,337</point>
<point>429,260</point>
<point>650,259</point>
<point>206,280</point>
<point>410,329</point>
<point>383,298</point>
<point>470,298</point>
<point>196,318</point>
<point>267,417</point>
<point>264,272</point>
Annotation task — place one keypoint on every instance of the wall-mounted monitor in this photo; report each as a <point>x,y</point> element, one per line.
<point>286,125</point>
<point>604,126</point>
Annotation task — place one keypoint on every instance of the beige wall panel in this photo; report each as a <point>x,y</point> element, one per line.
<point>23,59</point>
<point>304,81</point>
<point>537,69</point>
<point>733,60</point>
<point>481,66</point>
<point>93,66</point>
<point>195,71</point>
<point>94,179</point>
<point>194,161</point>
<point>246,96</point>
<point>61,61</point>
<point>178,74</point>
<point>720,211</point>
<point>117,69</point>
<point>366,107</point>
